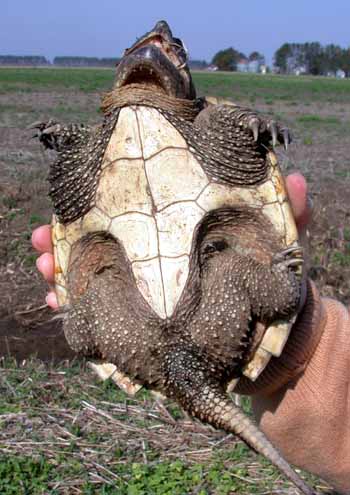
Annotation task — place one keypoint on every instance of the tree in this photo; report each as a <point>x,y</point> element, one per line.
<point>256,56</point>
<point>227,59</point>
<point>332,58</point>
<point>281,57</point>
<point>314,58</point>
<point>345,61</point>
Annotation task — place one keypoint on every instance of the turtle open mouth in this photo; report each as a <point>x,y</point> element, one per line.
<point>157,61</point>
<point>148,66</point>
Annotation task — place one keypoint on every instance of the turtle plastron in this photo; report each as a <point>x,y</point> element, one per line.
<point>156,219</point>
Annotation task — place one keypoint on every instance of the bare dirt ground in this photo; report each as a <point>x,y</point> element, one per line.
<point>321,150</point>
<point>27,326</point>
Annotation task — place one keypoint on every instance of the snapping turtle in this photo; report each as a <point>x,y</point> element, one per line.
<point>176,254</point>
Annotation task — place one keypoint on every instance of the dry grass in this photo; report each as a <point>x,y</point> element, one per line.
<point>90,436</point>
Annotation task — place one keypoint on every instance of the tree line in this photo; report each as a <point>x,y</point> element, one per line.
<point>308,58</point>
<point>29,60</point>
<point>39,61</point>
<point>75,61</point>
<point>85,62</point>
<point>312,58</point>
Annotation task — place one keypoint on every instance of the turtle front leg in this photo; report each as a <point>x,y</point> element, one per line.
<point>58,137</point>
<point>261,128</point>
<point>191,382</point>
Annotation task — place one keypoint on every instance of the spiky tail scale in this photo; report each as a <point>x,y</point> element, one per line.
<point>189,381</point>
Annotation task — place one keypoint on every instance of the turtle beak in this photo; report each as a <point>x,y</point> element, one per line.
<point>160,35</point>
<point>162,38</point>
<point>162,27</point>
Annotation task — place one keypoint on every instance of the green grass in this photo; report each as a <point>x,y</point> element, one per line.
<point>23,475</point>
<point>312,119</point>
<point>64,432</point>
<point>271,88</point>
<point>86,80</point>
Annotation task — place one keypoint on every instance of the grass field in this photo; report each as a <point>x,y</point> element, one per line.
<point>61,431</point>
<point>229,85</point>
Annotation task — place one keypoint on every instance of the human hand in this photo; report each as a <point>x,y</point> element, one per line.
<point>41,241</point>
<point>301,400</point>
<point>307,416</point>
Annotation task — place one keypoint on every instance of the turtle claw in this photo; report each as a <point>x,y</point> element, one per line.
<point>47,132</point>
<point>254,127</point>
<point>41,125</point>
<point>287,138</point>
<point>50,130</point>
<point>36,125</point>
<point>272,127</point>
<point>289,257</point>
<point>270,130</point>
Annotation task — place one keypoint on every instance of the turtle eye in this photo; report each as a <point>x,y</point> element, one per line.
<point>178,41</point>
<point>209,248</point>
<point>181,50</point>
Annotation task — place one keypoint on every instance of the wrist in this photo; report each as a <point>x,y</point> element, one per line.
<point>299,349</point>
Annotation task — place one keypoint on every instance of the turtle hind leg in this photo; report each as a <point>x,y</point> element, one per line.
<point>189,382</point>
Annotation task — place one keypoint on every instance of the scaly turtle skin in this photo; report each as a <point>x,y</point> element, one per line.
<point>176,254</point>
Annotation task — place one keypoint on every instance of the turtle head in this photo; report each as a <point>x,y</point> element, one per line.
<point>159,61</point>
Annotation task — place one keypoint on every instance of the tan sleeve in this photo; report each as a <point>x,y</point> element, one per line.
<point>307,413</point>
<point>300,347</point>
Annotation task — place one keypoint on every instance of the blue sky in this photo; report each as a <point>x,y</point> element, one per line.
<point>105,27</point>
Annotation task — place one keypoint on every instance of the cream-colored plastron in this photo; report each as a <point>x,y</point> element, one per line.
<point>151,195</point>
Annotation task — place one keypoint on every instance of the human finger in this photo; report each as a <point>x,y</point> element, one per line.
<point>41,239</point>
<point>51,300</point>
<point>298,194</point>
<point>45,265</point>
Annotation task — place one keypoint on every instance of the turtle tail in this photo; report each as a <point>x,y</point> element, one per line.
<point>192,386</point>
